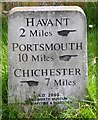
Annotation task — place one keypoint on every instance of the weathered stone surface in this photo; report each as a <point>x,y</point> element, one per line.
<point>47,54</point>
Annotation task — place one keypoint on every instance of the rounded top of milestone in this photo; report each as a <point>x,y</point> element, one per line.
<point>46,8</point>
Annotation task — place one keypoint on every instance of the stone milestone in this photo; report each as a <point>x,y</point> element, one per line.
<point>47,53</point>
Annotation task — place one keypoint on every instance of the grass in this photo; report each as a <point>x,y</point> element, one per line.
<point>87,109</point>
